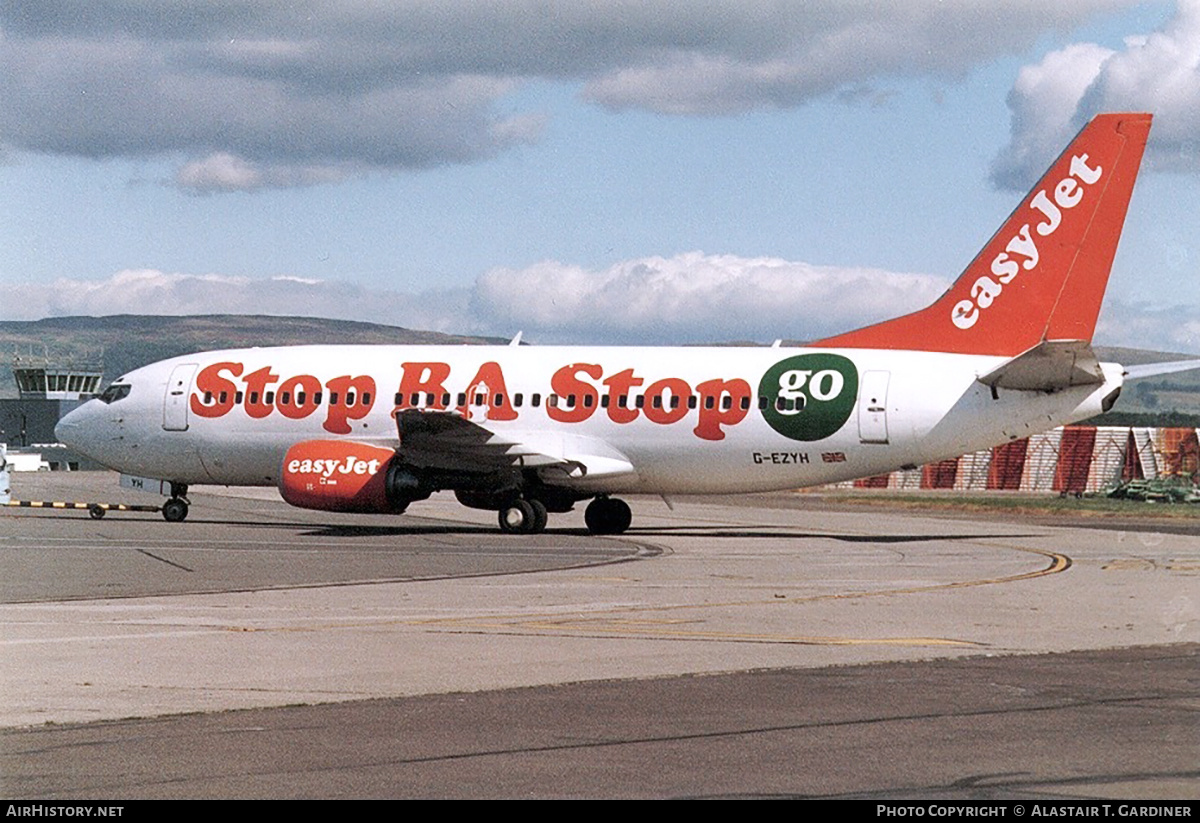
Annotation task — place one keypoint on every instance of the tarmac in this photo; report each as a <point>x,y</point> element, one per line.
<point>758,646</point>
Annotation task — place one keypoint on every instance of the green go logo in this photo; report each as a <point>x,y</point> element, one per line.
<point>809,396</point>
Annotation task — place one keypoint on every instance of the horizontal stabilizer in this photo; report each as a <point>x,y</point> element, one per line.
<point>1155,369</point>
<point>1051,365</point>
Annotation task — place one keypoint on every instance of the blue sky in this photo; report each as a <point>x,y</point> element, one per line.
<point>587,172</point>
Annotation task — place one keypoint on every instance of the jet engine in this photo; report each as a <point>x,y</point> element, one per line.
<point>344,476</point>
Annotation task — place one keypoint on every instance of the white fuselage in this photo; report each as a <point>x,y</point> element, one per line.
<point>746,419</point>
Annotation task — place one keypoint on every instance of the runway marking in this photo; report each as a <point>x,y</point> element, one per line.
<point>643,628</point>
<point>598,624</point>
<point>620,621</point>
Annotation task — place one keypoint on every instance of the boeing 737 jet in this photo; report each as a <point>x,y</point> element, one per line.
<point>527,430</point>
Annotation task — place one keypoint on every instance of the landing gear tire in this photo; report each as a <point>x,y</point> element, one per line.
<point>540,517</point>
<point>607,515</point>
<point>175,510</point>
<point>96,512</point>
<point>523,517</point>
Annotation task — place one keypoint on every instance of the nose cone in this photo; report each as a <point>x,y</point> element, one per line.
<point>71,430</point>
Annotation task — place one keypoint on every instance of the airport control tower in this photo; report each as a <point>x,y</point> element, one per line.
<point>40,378</point>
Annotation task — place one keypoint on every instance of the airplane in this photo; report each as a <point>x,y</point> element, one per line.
<point>528,431</point>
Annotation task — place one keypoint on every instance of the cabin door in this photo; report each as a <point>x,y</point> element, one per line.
<point>175,403</point>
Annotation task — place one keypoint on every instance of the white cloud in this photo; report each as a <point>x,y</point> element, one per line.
<point>1171,329</point>
<point>222,172</point>
<point>695,298</point>
<point>1159,73</point>
<point>689,298</point>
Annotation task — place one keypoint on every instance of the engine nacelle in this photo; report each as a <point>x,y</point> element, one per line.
<point>344,476</point>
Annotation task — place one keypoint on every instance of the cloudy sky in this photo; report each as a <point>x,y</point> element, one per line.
<point>610,172</point>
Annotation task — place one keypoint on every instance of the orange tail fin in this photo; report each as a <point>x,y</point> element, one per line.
<point>1042,275</point>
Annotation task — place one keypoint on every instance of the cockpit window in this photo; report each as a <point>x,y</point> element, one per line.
<point>115,392</point>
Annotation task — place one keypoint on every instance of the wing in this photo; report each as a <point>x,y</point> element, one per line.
<point>447,440</point>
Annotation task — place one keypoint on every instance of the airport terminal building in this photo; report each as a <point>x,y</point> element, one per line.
<point>46,391</point>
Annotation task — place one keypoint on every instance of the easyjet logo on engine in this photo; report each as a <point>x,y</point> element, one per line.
<point>1021,252</point>
<point>336,475</point>
<point>326,469</point>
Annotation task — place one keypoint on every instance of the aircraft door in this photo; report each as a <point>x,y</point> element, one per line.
<point>872,407</point>
<point>175,402</point>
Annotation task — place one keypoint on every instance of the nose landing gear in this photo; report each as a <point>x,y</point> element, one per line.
<point>175,510</point>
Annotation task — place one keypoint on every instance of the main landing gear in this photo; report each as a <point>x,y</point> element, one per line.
<point>523,517</point>
<point>175,510</point>
<point>604,515</point>
<point>607,515</point>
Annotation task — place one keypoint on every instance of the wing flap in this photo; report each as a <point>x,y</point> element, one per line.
<point>447,440</point>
